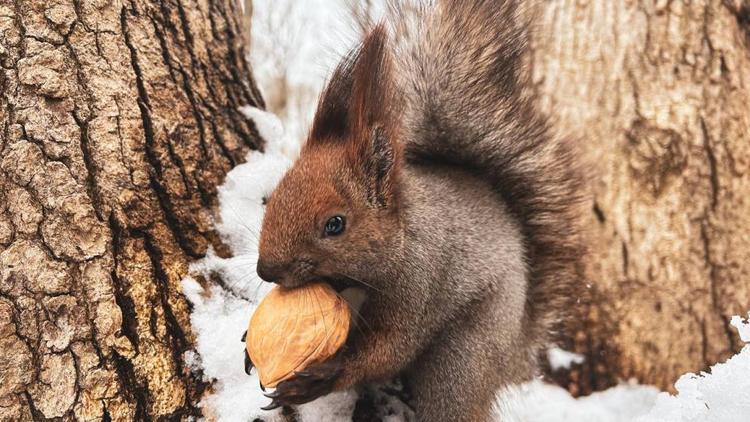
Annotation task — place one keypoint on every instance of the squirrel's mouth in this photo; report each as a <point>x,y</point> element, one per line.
<point>339,284</point>
<point>353,292</point>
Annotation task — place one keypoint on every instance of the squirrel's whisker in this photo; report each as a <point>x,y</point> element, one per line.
<point>363,283</point>
<point>358,316</point>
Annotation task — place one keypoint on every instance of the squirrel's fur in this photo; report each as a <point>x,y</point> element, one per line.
<point>460,206</point>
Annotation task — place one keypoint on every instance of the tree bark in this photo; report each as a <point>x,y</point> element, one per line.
<point>118,121</point>
<point>658,92</point>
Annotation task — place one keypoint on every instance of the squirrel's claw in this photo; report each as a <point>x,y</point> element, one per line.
<point>307,385</point>
<point>302,374</point>
<point>248,363</point>
<point>274,404</point>
<point>244,335</point>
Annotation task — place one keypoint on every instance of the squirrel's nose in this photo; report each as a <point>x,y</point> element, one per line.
<point>270,272</point>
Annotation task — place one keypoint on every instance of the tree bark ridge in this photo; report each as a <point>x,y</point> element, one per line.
<point>658,93</point>
<point>118,121</point>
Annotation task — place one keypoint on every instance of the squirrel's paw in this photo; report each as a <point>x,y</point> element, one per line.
<point>315,381</point>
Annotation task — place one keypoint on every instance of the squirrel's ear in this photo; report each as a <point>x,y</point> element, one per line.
<point>357,110</point>
<point>357,95</point>
<point>373,138</point>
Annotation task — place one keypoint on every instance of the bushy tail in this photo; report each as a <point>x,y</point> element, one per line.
<point>460,66</point>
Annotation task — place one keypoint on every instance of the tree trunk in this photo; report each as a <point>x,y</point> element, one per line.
<point>658,93</point>
<point>118,121</point>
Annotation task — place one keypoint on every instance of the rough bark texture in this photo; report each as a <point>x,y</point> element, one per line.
<point>658,93</point>
<point>117,122</point>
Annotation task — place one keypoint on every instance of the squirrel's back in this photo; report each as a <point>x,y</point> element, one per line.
<point>461,76</point>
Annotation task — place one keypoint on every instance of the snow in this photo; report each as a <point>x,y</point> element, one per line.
<point>219,318</point>
<point>562,359</point>
<point>336,407</point>
<point>742,326</point>
<point>540,402</point>
<point>721,395</point>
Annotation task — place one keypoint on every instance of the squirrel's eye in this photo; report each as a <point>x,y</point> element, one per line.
<point>334,226</point>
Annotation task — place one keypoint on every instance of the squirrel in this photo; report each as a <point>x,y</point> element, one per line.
<point>430,180</point>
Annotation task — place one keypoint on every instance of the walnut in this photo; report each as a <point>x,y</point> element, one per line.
<point>294,328</point>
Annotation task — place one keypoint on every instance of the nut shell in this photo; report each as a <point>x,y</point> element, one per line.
<point>294,328</point>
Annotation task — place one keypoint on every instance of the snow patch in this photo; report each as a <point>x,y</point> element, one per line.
<point>742,326</point>
<point>562,359</point>
<point>270,128</point>
<point>221,312</point>
<point>540,402</point>
<point>219,318</point>
<point>723,395</point>
<point>335,407</point>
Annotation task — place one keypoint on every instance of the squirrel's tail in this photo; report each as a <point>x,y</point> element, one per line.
<point>460,70</point>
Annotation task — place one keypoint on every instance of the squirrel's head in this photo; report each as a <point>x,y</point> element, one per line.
<point>334,213</point>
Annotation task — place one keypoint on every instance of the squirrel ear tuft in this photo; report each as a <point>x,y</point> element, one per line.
<point>357,95</point>
<point>331,119</point>
<point>373,136</point>
<point>357,110</point>
<point>371,100</point>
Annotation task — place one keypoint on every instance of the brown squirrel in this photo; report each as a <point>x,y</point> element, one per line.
<point>430,180</point>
